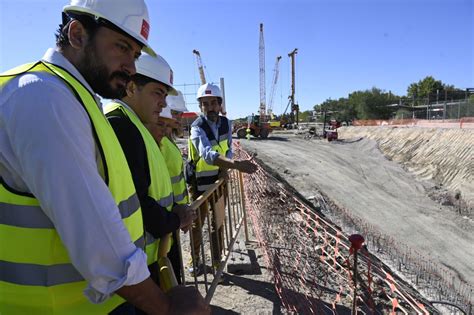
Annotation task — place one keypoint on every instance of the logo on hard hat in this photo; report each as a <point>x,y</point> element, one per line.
<point>208,92</point>
<point>171,77</point>
<point>145,29</point>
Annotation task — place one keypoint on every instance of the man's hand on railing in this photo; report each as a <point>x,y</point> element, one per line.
<point>224,174</point>
<point>186,216</point>
<point>245,166</point>
<point>187,300</point>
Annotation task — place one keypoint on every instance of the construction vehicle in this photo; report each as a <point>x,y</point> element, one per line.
<point>291,120</point>
<point>330,126</point>
<point>258,128</point>
<point>258,124</point>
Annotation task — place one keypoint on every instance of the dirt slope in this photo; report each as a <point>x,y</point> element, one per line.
<point>445,156</point>
<point>358,177</point>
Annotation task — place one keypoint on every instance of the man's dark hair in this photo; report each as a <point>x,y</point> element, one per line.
<point>219,101</point>
<point>89,23</point>
<point>141,80</point>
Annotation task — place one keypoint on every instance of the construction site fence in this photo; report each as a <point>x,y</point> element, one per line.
<point>463,123</point>
<point>312,259</point>
<point>224,213</point>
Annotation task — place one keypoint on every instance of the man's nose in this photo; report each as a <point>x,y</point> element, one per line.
<point>129,66</point>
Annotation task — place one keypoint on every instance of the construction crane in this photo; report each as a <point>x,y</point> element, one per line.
<point>276,71</point>
<point>200,66</point>
<point>261,50</point>
<point>258,125</point>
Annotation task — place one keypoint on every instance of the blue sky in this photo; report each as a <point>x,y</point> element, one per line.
<point>343,45</point>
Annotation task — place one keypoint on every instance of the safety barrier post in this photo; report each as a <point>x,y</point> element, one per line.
<point>356,243</point>
<point>242,203</point>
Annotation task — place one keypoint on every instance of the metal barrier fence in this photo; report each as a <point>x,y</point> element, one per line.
<point>223,209</point>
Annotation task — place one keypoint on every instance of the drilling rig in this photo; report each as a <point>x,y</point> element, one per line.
<point>258,124</point>
<point>295,109</point>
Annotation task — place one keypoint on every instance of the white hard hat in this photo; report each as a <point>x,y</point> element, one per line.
<point>131,16</point>
<point>177,103</point>
<point>208,90</point>
<point>157,69</point>
<point>166,113</point>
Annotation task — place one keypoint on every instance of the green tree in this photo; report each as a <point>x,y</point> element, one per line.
<point>372,104</point>
<point>425,90</point>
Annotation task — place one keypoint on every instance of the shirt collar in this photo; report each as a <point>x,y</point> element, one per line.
<point>55,57</point>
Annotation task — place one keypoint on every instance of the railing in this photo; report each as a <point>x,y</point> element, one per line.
<point>224,212</point>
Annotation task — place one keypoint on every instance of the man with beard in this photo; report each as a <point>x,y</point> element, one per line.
<point>210,151</point>
<point>70,223</point>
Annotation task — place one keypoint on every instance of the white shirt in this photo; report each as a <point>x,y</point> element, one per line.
<point>47,149</point>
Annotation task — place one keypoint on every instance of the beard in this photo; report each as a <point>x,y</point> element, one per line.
<point>95,72</point>
<point>212,115</point>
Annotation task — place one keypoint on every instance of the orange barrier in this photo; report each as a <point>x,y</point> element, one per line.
<point>463,123</point>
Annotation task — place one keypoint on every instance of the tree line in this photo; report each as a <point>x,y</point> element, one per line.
<point>376,103</point>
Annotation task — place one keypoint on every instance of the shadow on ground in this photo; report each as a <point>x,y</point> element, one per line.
<point>270,138</point>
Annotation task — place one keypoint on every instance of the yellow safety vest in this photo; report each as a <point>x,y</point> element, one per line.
<point>207,174</point>
<point>160,188</point>
<point>174,161</point>
<point>37,276</point>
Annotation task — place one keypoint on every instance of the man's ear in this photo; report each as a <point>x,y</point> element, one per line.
<point>131,88</point>
<point>77,35</point>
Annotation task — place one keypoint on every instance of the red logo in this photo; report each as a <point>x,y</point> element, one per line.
<point>171,77</point>
<point>208,92</point>
<point>145,29</point>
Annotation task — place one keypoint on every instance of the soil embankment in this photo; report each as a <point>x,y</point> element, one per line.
<point>392,197</point>
<point>445,156</point>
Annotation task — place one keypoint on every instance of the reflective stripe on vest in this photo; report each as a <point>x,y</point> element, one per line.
<point>207,174</point>
<point>174,161</point>
<point>37,276</point>
<point>160,187</point>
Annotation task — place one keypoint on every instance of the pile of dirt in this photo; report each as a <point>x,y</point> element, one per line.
<point>445,156</point>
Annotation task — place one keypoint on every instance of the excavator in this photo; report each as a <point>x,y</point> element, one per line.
<point>257,127</point>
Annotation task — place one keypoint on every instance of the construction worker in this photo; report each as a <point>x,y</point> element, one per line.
<point>141,106</point>
<point>173,156</point>
<point>177,105</point>
<point>174,161</point>
<point>70,222</point>
<point>210,151</point>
